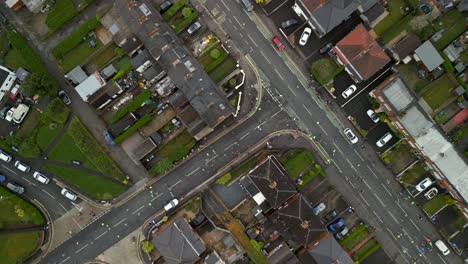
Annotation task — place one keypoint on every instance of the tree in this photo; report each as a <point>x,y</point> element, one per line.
<point>215,53</point>
<point>38,83</point>
<point>147,246</point>
<point>187,12</point>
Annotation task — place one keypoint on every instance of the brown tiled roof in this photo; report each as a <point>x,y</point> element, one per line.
<point>313,5</point>
<point>361,51</point>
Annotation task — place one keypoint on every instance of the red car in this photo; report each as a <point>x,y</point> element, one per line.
<point>278,43</point>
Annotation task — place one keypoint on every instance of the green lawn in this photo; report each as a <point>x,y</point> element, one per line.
<point>409,74</point>
<point>14,59</point>
<point>104,57</point>
<point>454,24</point>
<point>95,186</point>
<point>223,70</point>
<point>206,59</point>
<point>173,151</point>
<point>23,55</point>
<point>355,237</point>
<point>123,66</point>
<point>30,123</point>
<point>366,250</point>
<point>413,174</point>
<point>179,22</point>
<point>399,157</point>
<point>403,24</point>
<point>295,165</point>
<point>16,248</point>
<point>11,207</point>
<point>392,18</point>
<point>324,70</point>
<point>62,12</point>
<point>439,92</point>
<point>66,150</point>
<point>434,205</point>
<point>47,133</point>
<point>78,55</point>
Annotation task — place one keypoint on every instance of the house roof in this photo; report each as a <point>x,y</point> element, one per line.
<point>108,71</point>
<point>21,73</point>
<point>131,45</point>
<point>361,53</point>
<point>154,73</point>
<point>77,75</point>
<point>282,254</point>
<point>141,58</point>
<point>4,72</point>
<point>327,14</point>
<point>269,179</point>
<point>297,224</point>
<point>398,95</point>
<point>178,243</point>
<point>373,13</point>
<point>192,121</point>
<point>329,251</point>
<point>91,85</point>
<point>429,55</point>
<point>407,45</point>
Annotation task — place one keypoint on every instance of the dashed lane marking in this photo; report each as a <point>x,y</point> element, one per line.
<point>378,217</point>
<point>105,232</point>
<point>364,199</point>
<point>136,211</point>
<point>373,173</point>
<point>156,197</point>
<point>14,172</point>
<point>83,247</point>
<point>48,194</point>
<point>359,155</point>
<point>65,260</point>
<point>118,223</point>
<point>393,217</point>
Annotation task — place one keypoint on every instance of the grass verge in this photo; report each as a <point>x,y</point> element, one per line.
<point>223,70</point>
<point>17,212</point>
<point>413,174</point>
<point>16,248</point>
<point>324,70</point>
<point>63,11</point>
<point>66,151</point>
<point>295,165</point>
<point>355,237</point>
<point>366,250</point>
<point>434,205</point>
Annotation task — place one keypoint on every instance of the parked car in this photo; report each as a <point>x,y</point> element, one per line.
<point>69,194</point>
<point>278,43</point>
<point>108,137</point>
<point>171,205</point>
<point>319,208</point>
<point>349,91</point>
<point>289,23</point>
<point>305,36</point>
<point>2,178</point>
<point>330,215</point>
<point>40,177</point>
<point>247,5</point>
<point>144,8</point>
<point>199,218</point>
<point>384,140</point>
<point>76,162</point>
<point>336,225</point>
<point>194,28</point>
<point>5,156</point>
<point>342,233</point>
<point>326,48</point>
<point>15,187</point>
<point>424,184</point>
<point>22,166</point>
<point>164,6</point>
<point>64,96</point>
<point>431,193</point>
<point>350,135</point>
<point>442,247</point>
<point>371,114</point>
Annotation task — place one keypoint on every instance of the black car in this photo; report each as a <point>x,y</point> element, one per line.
<point>165,6</point>
<point>289,23</point>
<point>326,48</point>
<point>64,96</point>
<point>330,215</point>
<point>198,219</point>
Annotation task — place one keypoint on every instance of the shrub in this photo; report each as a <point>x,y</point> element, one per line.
<point>76,37</point>
<point>216,62</point>
<point>39,83</point>
<point>132,106</point>
<point>119,52</point>
<point>225,179</point>
<point>187,21</point>
<point>215,53</point>
<point>57,111</point>
<point>161,167</point>
<point>147,246</point>
<point>141,122</point>
<point>187,11</point>
<point>174,9</point>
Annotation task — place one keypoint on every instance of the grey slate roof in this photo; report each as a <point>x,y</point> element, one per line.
<point>77,75</point>
<point>329,251</point>
<point>141,58</point>
<point>429,55</point>
<point>21,73</point>
<point>282,254</point>
<point>3,75</point>
<point>179,243</point>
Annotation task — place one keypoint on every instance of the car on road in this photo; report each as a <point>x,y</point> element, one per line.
<point>41,177</point>
<point>424,184</point>
<point>64,97</point>
<point>336,225</point>
<point>319,208</point>
<point>431,193</point>
<point>76,162</point>
<point>194,28</point>
<point>15,187</point>
<point>349,91</point>
<point>330,215</point>
<point>442,247</point>
<point>278,43</point>
<point>289,23</point>
<point>371,114</point>
<point>342,233</point>
<point>350,135</point>
<point>5,156</point>
<point>326,48</point>
<point>69,194</point>
<point>384,140</point>
<point>22,166</point>
<point>305,36</point>
<point>171,205</point>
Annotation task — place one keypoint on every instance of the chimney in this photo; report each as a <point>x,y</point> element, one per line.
<point>273,185</point>
<point>199,90</point>
<point>305,224</point>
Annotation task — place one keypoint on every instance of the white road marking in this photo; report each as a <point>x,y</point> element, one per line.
<point>441,258</point>
<point>362,197</point>
<point>357,153</point>
<point>389,193</point>
<point>375,175</point>
<point>195,170</point>
<point>393,217</point>
<point>352,184</point>
<point>338,167</point>
<point>391,233</point>
<point>29,181</point>
<point>415,225</point>
<point>365,182</point>
<point>9,170</point>
<point>48,193</point>
<point>76,222</point>
<point>245,135</point>
<point>65,260</point>
<point>136,211</point>
<point>336,146</point>
<point>279,74</point>
<point>101,235</point>
<point>239,23</point>
<point>63,207</point>
<point>402,208</point>
<point>380,219</point>
<point>292,90</point>
<point>377,197</point>
<point>251,39</point>
<point>276,114</point>
<point>172,186</point>
<point>266,58</point>
<point>349,162</point>
<point>156,197</point>
<point>406,233</point>
<point>308,111</point>
<point>322,128</point>
<point>121,221</point>
<point>224,4</point>
<point>81,248</point>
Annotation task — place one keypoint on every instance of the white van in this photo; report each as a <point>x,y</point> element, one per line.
<point>17,114</point>
<point>5,156</point>
<point>442,247</point>
<point>384,140</point>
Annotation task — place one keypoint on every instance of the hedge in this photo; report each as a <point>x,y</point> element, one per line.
<point>76,37</point>
<point>216,62</point>
<point>132,106</point>
<point>174,9</point>
<point>186,22</point>
<point>88,145</point>
<point>141,122</point>
<point>225,179</point>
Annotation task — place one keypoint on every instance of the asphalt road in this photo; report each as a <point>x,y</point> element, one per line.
<point>377,193</point>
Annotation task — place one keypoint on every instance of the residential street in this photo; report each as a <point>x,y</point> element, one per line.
<point>369,187</point>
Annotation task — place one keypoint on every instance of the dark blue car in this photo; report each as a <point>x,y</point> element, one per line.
<point>336,225</point>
